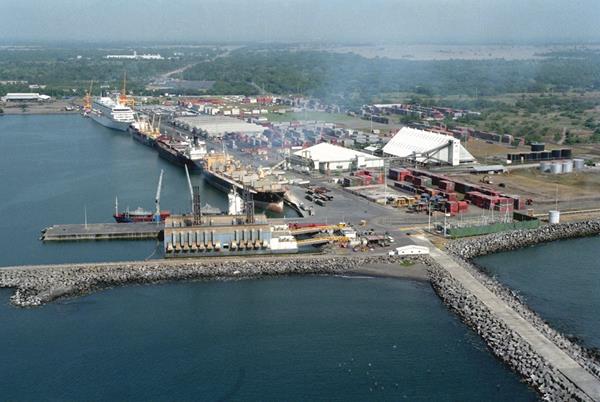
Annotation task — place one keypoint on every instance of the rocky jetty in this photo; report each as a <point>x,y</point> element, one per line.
<point>505,241</point>
<point>37,285</point>
<point>506,344</point>
<point>467,249</point>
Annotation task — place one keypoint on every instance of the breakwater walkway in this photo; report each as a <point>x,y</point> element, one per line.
<point>553,356</point>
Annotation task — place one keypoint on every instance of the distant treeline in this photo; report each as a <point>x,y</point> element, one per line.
<point>346,79</point>
<point>351,79</point>
<point>63,70</point>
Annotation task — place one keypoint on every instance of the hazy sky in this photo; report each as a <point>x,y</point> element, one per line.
<point>402,21</point>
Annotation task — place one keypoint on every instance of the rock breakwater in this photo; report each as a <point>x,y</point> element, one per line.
<point>505,343</point>
<point>37,285</point>
<point>506,241</point>
<point>465,250</point>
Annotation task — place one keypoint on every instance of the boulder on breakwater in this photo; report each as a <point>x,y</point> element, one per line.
<point>505,241</point>
<point>465,250</point>
<point>37,285</point>
<point>506,344</point>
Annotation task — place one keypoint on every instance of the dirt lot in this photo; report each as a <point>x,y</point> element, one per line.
<point>51,107</point>
<point>577,190</point>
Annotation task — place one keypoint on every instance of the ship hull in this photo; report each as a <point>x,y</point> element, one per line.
<point>270,201</point>
<point>141,138</point>
<point>176,158</point>
<point>126,218</point>
<point>109,123</point>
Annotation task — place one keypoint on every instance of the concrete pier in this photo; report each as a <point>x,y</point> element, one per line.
<point>103,231</point>
<point>554,357</point>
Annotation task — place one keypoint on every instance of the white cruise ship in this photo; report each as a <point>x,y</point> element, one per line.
<point>112,114</point>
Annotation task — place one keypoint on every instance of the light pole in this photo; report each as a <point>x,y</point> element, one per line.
<point>429,216</point>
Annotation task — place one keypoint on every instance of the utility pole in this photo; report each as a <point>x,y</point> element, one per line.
<point>429,216</point>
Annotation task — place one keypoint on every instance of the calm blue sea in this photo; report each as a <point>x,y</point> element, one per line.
<point>309,338</point>
<point>559,280</point>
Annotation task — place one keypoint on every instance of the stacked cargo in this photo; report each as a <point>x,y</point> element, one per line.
<point>449,196</point>
<point>351,181</point>
<point>431,191</point>
<point>404,186</point>
<point>398,174</point>
<point>446,185</point>
<point>452,207</point>
<point>422,181</point>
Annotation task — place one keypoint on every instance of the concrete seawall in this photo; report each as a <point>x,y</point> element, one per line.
<point>36,285</point>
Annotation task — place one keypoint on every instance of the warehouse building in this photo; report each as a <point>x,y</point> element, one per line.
<point>427,147</point>
<point>25,97</point>
<point>218,126</point>
<point>326,158</point>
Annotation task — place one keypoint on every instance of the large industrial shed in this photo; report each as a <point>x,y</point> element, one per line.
<point>427,147</point>
<point>218,126</point>
<point>326,157</point>
<point>24,97</point>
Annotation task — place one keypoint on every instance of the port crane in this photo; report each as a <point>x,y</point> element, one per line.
<point>87,99</point>
<point>157,198</point>
<point>123,98</point>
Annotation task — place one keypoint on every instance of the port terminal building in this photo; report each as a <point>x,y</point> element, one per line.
<point>217,126</point>
<point>329,158</point>
<point>213,235</point>
<point>427,147</point>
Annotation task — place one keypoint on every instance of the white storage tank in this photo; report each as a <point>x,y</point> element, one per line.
<point>556,168</point>
<point>567,166</point>
<point>545,167</point>
<point>578,164</point>
<point>553,217</point>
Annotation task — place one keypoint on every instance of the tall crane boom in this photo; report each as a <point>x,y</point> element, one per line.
<point>157,198</point>
<point>187,174</point>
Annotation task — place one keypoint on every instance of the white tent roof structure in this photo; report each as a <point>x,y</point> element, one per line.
<point>332,153</point>
<point>410,141</point>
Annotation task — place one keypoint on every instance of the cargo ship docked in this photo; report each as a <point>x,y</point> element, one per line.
<point>225,174</point>
<point>182,151</point>
<point>140,215</point>
<point>111,113</point>
<point>144,132</point>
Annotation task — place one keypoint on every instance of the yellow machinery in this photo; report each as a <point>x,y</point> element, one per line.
<point>87,99</point>
<point>123,98</point>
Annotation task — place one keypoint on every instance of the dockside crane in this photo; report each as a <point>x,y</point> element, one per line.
<point>157,198</point>
<point>87,99</point>
<point>195,196</point>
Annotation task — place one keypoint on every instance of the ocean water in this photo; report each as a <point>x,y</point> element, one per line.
<point>56,168</point>
<point>301,338</point>
<point>559,280</point>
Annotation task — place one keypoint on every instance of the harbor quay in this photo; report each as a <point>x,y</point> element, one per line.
<point>559,369</point>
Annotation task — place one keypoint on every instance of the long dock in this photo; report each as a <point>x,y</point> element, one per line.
<point>543,346</point>
<point>102,231</point>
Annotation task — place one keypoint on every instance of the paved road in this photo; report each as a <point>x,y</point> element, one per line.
<point>542,345</point>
